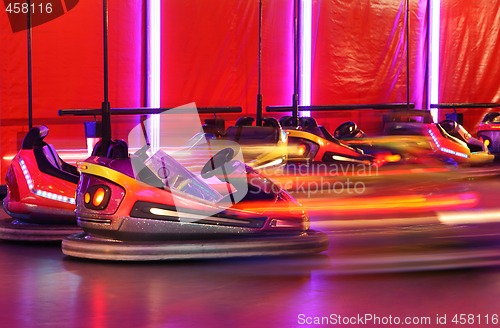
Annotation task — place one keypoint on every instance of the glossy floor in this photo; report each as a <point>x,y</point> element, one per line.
<point>42,288</point>
<point>414,221</point>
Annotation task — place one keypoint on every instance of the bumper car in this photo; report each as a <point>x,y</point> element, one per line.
<point>413,136</point>
<point>310,142</point>
<point>262,146</point>
<point>148,206</point>
<point>488,131</point>
<point>134,208</point>
<point>40,193</point>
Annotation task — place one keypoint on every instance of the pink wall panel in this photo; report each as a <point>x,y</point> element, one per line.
<point>209,56</point>
<point>359,57</point>
<point>210,51</point>
<point>470,68</point>
<point>359,53</point>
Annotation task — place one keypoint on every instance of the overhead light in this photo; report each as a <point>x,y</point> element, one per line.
<point>154,69</point>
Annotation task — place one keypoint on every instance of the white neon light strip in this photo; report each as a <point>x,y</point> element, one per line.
<point>154,70</point>
<point>435,10</point>
<point>444,149</point>
<point>306,57</point>
<point>43,193</point>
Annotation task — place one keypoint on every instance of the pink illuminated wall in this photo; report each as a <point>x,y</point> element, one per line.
<point>470,69</point>
<point>359,56</point>
<point>210,51</point>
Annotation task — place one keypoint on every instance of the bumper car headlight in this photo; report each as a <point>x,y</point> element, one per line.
<point>303,148</point>
<point>97,197</point>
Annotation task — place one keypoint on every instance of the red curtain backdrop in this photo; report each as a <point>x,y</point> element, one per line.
<point>359,56</point>
<point>359,53</point>
<point>210,51</point>
<point>68,71</point>
<point>470,52</point>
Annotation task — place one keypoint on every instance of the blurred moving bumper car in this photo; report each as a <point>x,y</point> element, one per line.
<point>412,135</point>
<point>488,132</point>
<point>262,146</point>
<point>310,142</point>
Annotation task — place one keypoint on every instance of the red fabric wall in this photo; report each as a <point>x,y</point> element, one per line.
<point>209,56</point>
<point>470,52</point>
<point>210,53</point>
<point>68,71</point>
<point>359,57</point>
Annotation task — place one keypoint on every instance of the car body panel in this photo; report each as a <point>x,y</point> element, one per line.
<point>413,135</point>
<point>145,211</point>
<point>307,146</point>
<point>489,131</point>
<point>39,190</point>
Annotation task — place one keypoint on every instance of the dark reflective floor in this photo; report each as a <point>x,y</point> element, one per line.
<point>411,246</point>
<point>42,288</point>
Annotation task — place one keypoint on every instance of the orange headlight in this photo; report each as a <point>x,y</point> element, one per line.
<point>98,197</point>
<point>302,149</point>
<point>86,198</point>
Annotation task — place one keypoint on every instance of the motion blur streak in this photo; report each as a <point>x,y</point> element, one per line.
<point>325,205</point>
<point>390,203</point>
<point>465,217</point>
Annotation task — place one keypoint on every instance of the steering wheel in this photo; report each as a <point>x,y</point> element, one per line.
<point>449,126</point>
<point>346,130</point>
<point>218,160</point>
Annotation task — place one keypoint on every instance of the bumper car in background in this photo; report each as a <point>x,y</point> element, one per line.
<point>262,146</point>
<point>488,131</point>
<point>40,193</point>
<point>310,142</point>
<point>412,135</point>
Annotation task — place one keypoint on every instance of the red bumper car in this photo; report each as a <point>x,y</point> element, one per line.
<point>40,192</point>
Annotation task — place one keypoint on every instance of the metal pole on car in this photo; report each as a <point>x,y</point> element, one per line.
<point>30,67</point>
<point>259,68</point>
<point>106,116</point>
<point>295,98</point>
<point>407,15</point>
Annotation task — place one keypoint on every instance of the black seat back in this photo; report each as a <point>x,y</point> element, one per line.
<point>253,134</point>
<point>48,161</point>
<point>245,121</point>
<point>271,121</point>
<point>308,123</point>
<point>34,137</point>
<point>116,149</point>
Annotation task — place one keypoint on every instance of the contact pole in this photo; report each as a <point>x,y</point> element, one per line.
<point>295,98</point>
<point>259,68</point>
<point>408,54</point>
<point>106,116</point>
<point>30,67</point>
